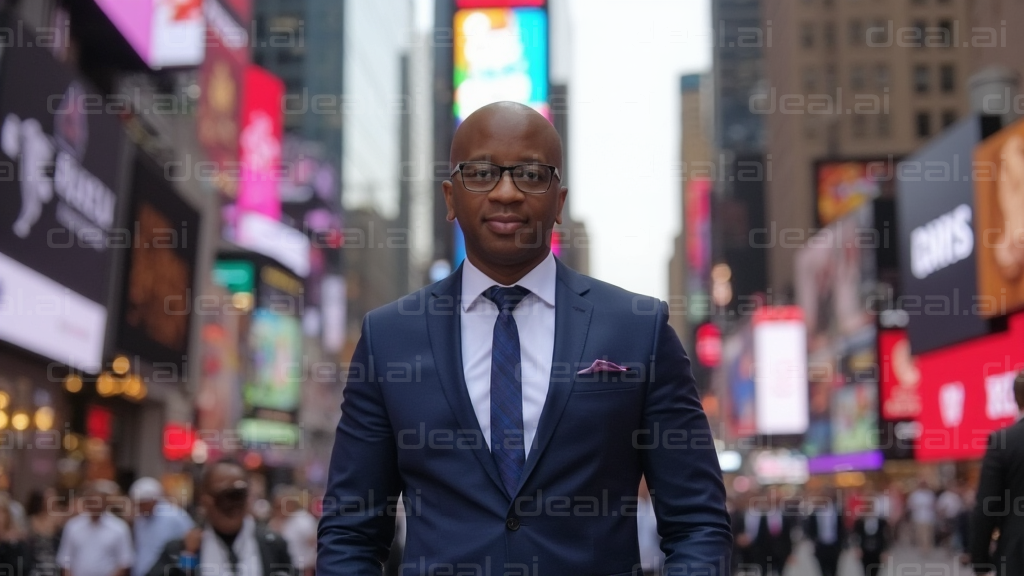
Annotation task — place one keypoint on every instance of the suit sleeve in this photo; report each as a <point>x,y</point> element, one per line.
<point>990,504</point>
<point>684,476</point>
<point>358,522</point>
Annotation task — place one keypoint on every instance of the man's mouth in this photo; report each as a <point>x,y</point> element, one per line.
<point>504,224</point>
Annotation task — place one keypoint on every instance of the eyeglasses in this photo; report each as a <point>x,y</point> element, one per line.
<point>484,176</point>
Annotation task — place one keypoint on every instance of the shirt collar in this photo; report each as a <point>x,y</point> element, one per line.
<point>539,281</point>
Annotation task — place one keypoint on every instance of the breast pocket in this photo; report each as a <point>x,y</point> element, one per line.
<point>607,382</point>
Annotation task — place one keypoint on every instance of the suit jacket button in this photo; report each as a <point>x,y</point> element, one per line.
<point>512,523</point>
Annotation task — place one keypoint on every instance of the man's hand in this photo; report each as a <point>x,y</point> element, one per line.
<point>192,540</point>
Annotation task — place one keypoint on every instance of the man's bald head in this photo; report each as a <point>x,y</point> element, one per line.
<point>501,121</point>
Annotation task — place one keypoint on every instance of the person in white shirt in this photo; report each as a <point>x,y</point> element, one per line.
<point>921,504</point>
<point>96,543</point>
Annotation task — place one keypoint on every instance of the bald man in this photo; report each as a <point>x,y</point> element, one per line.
<point>516,404</point>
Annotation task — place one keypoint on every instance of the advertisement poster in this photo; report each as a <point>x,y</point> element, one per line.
<point>780,353</point>
<point>967,392</point>
<point>162,32</point>
<point>938,252</point>
<point>738,361</point>
<point>259,141</point>
<point>160,269</point>
<point>58,228</point>
<point>844,186</point>
<point>500,54</point>
<point>999,201</point>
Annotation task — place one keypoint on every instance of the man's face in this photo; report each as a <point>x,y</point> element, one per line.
<point>226,499</point>
<point>506,228</point>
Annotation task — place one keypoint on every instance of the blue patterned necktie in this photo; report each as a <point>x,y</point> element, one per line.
<point>507,436</point>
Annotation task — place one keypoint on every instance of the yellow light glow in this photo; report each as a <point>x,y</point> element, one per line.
<point>242,300</point>
<point>44,418</point>
<point>4,419</point>
<point>121,365</point>
<point>20,421</point>
<point>106,384</point>
<point>133,387</point>
<point>71,442</point>
<point>73,383</point>
<point>5,400</point>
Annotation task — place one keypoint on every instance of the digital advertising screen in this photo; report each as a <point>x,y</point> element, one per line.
<point>999,201</point>
<point>58,216</point>
<point>160,265</point>
<point>938,253</point>
<point>500,54</point>
<point>845,185</point>
<point>780,357</point>
<point>162,32</point>
<point>967,392</point>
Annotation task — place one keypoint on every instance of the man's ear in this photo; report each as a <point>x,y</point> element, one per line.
<point>562,192</point>
<point>446,189</point>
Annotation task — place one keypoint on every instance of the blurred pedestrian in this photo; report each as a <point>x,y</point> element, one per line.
<point>998,499</point>
<point>156,522</point>
<point>296,525</point>
<point>827,529</point>
<point>43,536</point>
<point>874,537</point>
<point>947,508</point>
<point>229,540</point>
<point>12,545</point>
<point>767,534</point>
<point>921,506</point>
<point>96,543</point>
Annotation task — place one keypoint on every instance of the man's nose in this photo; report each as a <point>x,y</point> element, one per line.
<point>505,191</point>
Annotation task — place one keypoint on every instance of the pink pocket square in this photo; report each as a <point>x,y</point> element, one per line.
<point>603,366</point>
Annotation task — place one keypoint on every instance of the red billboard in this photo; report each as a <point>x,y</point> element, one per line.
<point>259,143</point>
<point>901,378</point>
<point>221,78</point>
<point>967,392</point>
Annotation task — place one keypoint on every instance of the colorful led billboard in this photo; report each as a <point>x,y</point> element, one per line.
<point>780,373</point>
<point>843,186</point>
<point>162,32</point>
<point>500,54</point>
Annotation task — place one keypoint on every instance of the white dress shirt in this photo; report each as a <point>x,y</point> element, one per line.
<point>535,319</point>
<point>95,548</point>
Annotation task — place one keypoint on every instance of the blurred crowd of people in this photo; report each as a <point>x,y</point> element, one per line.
<point>101,531</point>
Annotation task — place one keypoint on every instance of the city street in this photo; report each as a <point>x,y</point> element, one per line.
<point>905,561</point>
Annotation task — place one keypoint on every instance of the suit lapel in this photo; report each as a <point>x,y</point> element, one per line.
<point>444,325</point>
<point>572,322</point>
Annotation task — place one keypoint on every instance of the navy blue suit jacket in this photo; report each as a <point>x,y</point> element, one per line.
<point>408,426</point>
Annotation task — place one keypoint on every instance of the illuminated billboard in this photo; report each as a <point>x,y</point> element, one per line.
<point>843,186</point>
<point>780,370</point>
<point>162,32</point>
<point>999,229</point>
<point>500,54</point>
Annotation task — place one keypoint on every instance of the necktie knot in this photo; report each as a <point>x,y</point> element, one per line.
<point>506,299</point>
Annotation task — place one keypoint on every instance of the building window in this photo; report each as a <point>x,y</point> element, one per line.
<point>882,75</point>
<point>857,77</point>
<point>947,80</point>
<point>918,38</point>
<point>810,79</point>
<point>856,32</point>
<point>829,35</point>
<point>830,78</point>
<point>878,34</point>
<point>859,126</point>
<point>948,118</point>
<point>807,35</point>
<point>944,36</point>
<point>923,122</point>
<point>921,79</point>
<point>883,125</point>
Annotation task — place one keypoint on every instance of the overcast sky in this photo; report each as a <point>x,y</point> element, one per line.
<point>624,130</point>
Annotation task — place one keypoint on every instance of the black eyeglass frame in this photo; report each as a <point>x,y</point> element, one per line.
<point>501,174</point>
